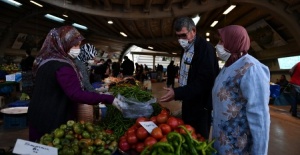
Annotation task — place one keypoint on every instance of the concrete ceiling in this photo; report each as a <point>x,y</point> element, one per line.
<point>149,23</point>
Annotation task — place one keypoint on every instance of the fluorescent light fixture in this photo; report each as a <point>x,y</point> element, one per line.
<point>229,9</point>
<point>214,24</point>
<point>65,15</point>
<point>110,22</point>
<point>207,34</point>
<point>150,47</point>
<point>54,18</point>
<point>196,19</point>
<point>80,26</point>
<point>174,53</point>
<point>12,2</point>
<point>38,4</point>
<point>207,39</point>
<point>123,34</point>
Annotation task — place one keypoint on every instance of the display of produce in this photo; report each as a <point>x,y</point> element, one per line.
<point>81,138</point>
<point>171,136</point>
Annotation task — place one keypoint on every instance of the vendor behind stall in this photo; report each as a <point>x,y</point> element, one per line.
<point>58,87</point>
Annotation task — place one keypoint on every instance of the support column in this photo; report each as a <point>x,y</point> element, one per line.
<point>153,62</point>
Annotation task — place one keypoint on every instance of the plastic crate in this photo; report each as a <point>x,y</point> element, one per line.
<point>19,103</point>
<point>15,121</point>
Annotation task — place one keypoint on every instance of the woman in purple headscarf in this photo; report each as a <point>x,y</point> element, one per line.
<point>241,119</point>
<point>58,87</point>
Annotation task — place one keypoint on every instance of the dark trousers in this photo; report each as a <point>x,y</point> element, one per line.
<point>296,100</point>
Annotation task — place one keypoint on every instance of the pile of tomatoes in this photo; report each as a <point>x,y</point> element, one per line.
<point>136,138</point>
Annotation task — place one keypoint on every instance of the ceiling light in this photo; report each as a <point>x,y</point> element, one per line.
<point>38,4</point>
<point>196,19</point>
<point>150,47</point>
<point>80,26</point>
<point>12,2</point>
<point>123,34</point>
<point>207,39</point>
<point>49,16</point>
<point>229,9</point>
<point>174,53</point>
<point>110,22</point>
<point>207,33</point>
<point>214,23</point>
<point>65,15</point>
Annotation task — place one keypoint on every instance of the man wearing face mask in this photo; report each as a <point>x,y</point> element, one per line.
<point>87,53</point>
<point>241,118</point>
<point>58,84</point>
<point>198,69</point>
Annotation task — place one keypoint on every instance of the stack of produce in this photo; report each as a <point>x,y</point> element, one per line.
<point>80,138</point>
<point>171,136</point>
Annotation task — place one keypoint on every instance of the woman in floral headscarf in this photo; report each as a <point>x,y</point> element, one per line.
<point>58,86</point>
<point>241,118</point>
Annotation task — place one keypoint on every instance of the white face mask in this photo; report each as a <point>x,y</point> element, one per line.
<point>222,54</point>
<point>183,42</point>
<point>74,52</point>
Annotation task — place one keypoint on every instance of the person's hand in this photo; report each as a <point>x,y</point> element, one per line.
<point>169,96</point>
<point>118,104</point>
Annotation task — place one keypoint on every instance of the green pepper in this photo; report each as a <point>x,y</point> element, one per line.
<point>145,151</point>
<point>164,146</point>
<point>175,139</point>
<point>58,133</point>
<point>189,140</point>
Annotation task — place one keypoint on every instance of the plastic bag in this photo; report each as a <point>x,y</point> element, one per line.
<point>131,108</point>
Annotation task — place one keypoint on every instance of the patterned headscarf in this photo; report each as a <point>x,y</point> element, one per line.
<point>57,45</point>
<point>87,52</point>
<point>236,40</point>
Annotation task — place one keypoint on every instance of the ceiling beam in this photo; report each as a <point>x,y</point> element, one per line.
<point>147,6</point>
<point>167,6</point>
<point>155,54</point>
<point>127,6</point>
<point>186,3</point>
<point>107,5</point>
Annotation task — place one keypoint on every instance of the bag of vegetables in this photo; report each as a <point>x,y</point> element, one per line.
<point>133,108</point>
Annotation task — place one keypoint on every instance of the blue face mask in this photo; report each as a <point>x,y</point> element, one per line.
<point>183,43</point>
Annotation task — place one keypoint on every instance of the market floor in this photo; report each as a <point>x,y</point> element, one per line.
<point>284,132</point>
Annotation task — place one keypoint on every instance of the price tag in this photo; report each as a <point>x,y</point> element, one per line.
<point>148,125</point>
<point>29,148</point>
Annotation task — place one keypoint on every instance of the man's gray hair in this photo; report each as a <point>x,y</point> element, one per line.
<point>184,22</point>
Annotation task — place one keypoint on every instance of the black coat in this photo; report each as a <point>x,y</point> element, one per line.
<point>196,95</point>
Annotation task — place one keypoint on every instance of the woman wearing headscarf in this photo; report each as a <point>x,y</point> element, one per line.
<point>87,52</point>
<point>58,86</point>
<point>241,119</point>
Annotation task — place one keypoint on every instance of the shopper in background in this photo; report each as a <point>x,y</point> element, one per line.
<point>171,73</point>
<point>282,82</point>
<point>115,68</point>
<point>127,67</point>
<point>103,70</point>
<point>87,53</point>
<point>27,77</point>
<point>199,67</point>
<point>58,87</point>
<point>295,85</point>
<point>241,118</point>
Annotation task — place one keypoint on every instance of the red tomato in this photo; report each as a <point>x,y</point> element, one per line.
<point>123,145</point>
<point>157,133</point>
<point>149,141</point>
<point>165,128</point>
<point>131,138</point>
<point>172,121</point>
<point>165,111</point>
<point>141,133</point>
<point>130,130</point>
<point>140,119</point>
<point>188,127</point>
<point>180,121</point>
<point>153,119</point>
<point>161,118</point>
<point>139,147</point>
<point>123,138</point>
<point>164,139</point>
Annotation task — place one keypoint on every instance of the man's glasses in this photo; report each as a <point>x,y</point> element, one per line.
<point>183,35</point>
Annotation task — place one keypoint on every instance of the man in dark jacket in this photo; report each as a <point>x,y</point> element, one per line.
<point>198,70</point>
<point>127,67</point>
